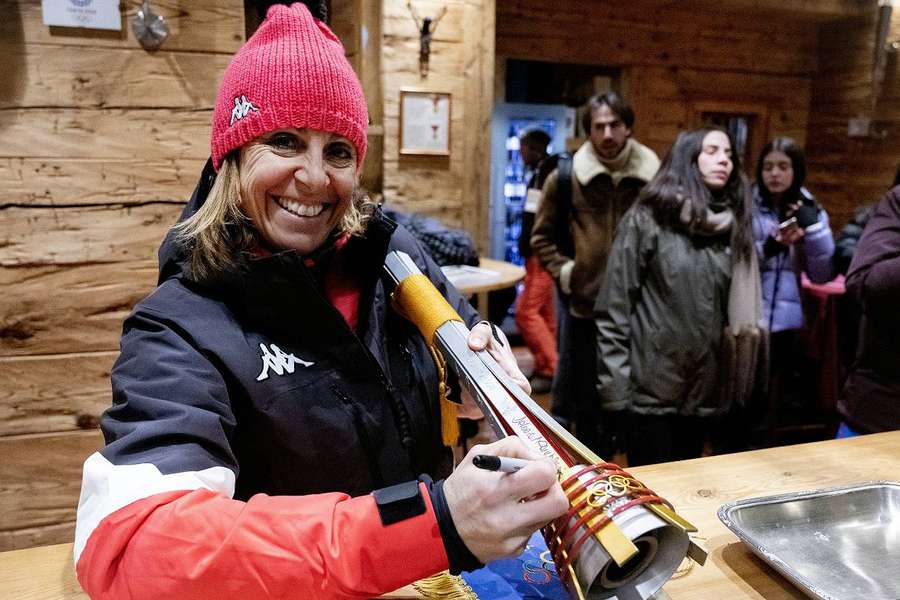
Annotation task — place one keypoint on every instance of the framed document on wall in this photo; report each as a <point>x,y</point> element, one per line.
<point>424,123</point>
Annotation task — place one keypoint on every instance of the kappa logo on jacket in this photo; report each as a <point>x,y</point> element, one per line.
<point>279,361</point>
<point>242,108</point>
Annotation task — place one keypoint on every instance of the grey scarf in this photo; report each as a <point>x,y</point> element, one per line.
<point>744,344</point>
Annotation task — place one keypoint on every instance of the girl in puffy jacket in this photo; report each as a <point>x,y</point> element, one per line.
<point>792,235</point>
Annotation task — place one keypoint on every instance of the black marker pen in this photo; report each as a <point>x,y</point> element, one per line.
<point>506,464</point>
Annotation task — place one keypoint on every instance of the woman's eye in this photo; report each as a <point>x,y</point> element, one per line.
<point>340,152</point>
<point>284,141</point>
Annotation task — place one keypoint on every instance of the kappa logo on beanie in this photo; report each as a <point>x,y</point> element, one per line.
<point>242,108</point>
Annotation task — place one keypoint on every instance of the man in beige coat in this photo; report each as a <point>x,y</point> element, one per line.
<point>573,232</point>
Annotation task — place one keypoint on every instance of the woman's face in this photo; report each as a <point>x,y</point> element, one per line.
<point>296,185</point>
<point>714,161</point>
<point>777,172</point>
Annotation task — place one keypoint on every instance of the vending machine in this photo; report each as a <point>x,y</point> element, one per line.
<point>508,173</point>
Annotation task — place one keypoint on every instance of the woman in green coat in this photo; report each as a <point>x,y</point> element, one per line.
<point>681,271</point>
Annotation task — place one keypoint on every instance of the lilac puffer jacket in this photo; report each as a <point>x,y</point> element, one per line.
<point>782,309</point>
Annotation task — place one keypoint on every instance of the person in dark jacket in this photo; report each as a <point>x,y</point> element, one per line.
<point>535,313</point>
<point>271,413</point>
<point>681,273</point>
<point>870,400</point>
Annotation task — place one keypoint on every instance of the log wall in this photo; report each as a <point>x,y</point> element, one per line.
<point>804,66</point>
<point>103,141</point>
<point>673,63</point>
<point>453,188</point>
<point>850,172</point>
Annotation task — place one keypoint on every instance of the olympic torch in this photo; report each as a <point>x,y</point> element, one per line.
<point>619,539</point>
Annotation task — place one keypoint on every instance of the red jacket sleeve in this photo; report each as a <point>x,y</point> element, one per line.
<point>201,545</point>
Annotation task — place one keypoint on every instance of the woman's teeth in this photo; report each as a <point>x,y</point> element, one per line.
<point>303,210</point>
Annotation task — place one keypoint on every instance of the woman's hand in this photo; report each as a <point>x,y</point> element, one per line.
<point>790,235</point>
<point>495,513</point>
<point>482,337</point>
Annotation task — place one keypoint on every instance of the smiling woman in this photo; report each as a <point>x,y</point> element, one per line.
<point>272,414</point>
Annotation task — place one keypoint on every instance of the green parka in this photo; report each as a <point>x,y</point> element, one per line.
<point>660,315</point>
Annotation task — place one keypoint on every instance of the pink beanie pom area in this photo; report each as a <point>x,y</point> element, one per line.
<point>291,73</point>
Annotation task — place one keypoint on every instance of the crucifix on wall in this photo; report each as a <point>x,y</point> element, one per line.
<point>426,27</point>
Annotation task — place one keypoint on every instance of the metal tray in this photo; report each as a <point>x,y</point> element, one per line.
<point>836,544</point>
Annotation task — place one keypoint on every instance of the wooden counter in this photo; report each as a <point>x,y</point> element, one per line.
<point>696,487</point>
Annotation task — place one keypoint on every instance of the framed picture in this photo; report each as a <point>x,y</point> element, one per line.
<point>424,123</point>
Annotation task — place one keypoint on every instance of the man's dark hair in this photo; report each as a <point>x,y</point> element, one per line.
<point>614,102</point>
<point>798,162</point>
<point>679,179</point>
<point>537,139</point>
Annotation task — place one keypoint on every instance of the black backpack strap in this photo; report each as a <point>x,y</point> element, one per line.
<point>564,182</point>
<point>564,200</point>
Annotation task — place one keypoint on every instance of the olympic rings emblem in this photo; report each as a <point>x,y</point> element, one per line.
<point>615,486</point>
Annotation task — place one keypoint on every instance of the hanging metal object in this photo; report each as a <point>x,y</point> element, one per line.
<point>149,28</point>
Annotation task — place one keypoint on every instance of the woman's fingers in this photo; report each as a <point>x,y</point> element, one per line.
<point>482,337</point>
<point>495,512</point>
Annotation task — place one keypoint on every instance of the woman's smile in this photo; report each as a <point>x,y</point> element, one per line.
<point>298,209</point>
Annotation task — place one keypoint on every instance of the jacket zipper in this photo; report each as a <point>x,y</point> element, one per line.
<point>364,439</point>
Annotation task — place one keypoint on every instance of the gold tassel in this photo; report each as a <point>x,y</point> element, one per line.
<point>449,419</point>
<point>444,586</point>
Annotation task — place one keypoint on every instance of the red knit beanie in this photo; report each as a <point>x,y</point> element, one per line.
<point>291,73</point>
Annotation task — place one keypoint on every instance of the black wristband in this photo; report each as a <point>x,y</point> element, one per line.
<point>458,555</point>
<point>399,502</point>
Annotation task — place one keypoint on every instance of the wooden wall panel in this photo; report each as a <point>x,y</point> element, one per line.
<point>101,77</point>
<point>453,189</point>
<point>73,275</point>
<point>846,173</point>
<point>155,134</point>
<point>103,142</point>
<point>672,62</point>
<point>54,393</point>
<point>40,480</point>
<point>194,25</point>
<point>646,32</point>
<point>68,181</point>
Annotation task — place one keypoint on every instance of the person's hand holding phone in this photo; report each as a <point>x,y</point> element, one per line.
<point>789,232</point>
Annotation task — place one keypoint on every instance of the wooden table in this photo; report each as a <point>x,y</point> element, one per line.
<point>696,487</point>
<point>504,275</point>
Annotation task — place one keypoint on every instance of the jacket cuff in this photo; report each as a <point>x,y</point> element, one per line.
<point>458,555</point>
<point>565,277</point>
<point>772,247</point>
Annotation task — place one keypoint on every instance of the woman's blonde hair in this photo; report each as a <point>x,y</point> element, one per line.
<point>218,233</point>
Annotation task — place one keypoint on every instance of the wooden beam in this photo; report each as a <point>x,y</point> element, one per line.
<point>66,181</point>
<point>54,393</point>
<point>811,10</point>
<point>95,133</point>
<point>60,76</point>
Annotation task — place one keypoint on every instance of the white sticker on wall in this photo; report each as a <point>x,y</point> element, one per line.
<point>93,14</point>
